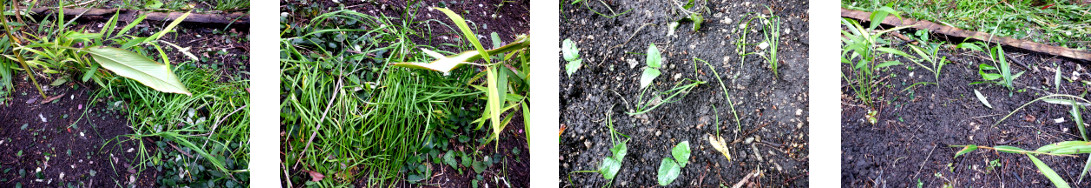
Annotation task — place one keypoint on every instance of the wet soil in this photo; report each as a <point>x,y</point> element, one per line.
<point>61,143</point>
<point>76,140</point>
<point>508,21</point>
<point>772,109</point>
<point>909,144</point>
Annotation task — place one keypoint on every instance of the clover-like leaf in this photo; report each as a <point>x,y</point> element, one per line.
<point>681,153</point>
<point>668,171</point>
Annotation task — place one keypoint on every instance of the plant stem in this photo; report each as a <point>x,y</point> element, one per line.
<point>30,73</point>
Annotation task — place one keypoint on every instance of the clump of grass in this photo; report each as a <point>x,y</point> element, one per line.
<point>346,97</point>
<point>861,50</point>
<point>771,32</point>
<point>1055,22</point>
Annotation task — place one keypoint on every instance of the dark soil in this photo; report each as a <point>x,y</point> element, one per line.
<point>93,140</point>
<point>508,21</point>
<point>772,110</point>
<point>909,144</point>
<point>68,145</point>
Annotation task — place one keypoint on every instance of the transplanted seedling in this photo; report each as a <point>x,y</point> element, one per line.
<point>654,60</point>
<point>1000,70</point>
<point>771,32</point>
<point>670,169</point>
<point>1066,148</point>
<point>611,165</point>
<point>571,54</point>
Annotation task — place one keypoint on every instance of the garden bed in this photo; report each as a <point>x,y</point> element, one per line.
<point>772,132</point>
<point>81,136</point>
<point>445,123</point>
<point>909,145</point>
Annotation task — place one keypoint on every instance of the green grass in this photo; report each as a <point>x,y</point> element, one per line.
<point>352,116</point>
<point>1064,23</point>
<point>199,139</point>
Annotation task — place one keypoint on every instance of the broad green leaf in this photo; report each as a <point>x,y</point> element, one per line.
<point>653,58</point>
<point>59,81</point>
<point>620,150</point>
<point>681,153</point>
<point>982,99</point>
<point>569,50</point>
<point>137,67</point>
<point>413,178</point>
<point>478,166</point>
<point>1048,172</point>
<point>496,43</point>
<point>573,66</point>
<point>1010,149</point>
<point>965,150</point>
<point>877,16</point>
<point>449,159</point>
<point>609,168</point>
<point>648,76</point>
<point>668,171</point>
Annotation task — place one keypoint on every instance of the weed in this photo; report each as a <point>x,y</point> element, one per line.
<point>930,53</point>
<point>654,60</point>
<point>771,32</point>
<point>1002,74</point>
<point>670,169</point>
<point>860,49</point>
<point>611,165</point>
<point>571,54</point>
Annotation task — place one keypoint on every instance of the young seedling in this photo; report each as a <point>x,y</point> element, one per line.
<point>654,60</point>
<point>611,165</point>
<point>670,169</point>
<point>689,15</point>
<point>571,54</point>
<point>860,49</point>
<point>771,32</point>
<point>1066,148</point>
<point>929,52</point>
<point>1000,70</point>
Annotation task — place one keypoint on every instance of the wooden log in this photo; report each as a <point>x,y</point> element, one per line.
<point>956,32</point>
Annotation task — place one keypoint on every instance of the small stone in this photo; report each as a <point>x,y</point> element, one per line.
<point>748,140</point>
<point>799,112</point>
<point>657,133</point>
<point>587,143</point>
<point>763,45</point>
<point>677,76</point>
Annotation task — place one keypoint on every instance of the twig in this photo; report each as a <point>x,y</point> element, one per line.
<point>925,161</point>
<point>746,179</point>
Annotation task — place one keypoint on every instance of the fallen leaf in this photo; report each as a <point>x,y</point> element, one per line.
<point>315,176</point>
<point>719,144</point>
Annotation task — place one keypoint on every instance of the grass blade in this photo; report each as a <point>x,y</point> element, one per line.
<point>1048,172</point>
<point>965,150</point>
<point>982,99</point>
<point>169,28</point>
<point>466,32</point>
